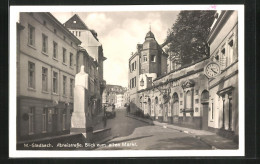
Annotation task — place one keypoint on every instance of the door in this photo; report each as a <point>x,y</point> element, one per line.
<point>55,121</point>
<point>205,116</point>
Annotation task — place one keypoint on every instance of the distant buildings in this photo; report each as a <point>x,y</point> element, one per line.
<point>187,95</point>
<point>49,54</point>
<point>114,94</point>
<point>46,66</point>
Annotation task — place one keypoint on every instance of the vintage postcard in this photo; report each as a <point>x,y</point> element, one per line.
<point>126,81</point>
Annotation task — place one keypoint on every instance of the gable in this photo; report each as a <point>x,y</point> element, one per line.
<point>75,23</point>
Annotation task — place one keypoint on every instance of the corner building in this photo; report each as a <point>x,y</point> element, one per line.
<point>223,90</point>
<point>46,66</point>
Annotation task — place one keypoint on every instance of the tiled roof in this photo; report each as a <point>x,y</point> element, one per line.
<point>76,23</point>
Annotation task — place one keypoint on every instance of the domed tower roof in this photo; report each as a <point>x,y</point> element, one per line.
<point>149,35</point>
<point>150,42</point>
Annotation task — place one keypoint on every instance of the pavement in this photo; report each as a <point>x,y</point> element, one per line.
<point>163,136</point>
<point>211,139</point>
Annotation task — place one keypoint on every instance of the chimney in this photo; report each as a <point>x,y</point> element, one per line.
<point>139,47</point>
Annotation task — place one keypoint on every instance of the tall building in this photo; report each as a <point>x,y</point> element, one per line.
<point>91,56</point>
<point>145,65</point>
<point>223,90</point>
<point>46,66</point>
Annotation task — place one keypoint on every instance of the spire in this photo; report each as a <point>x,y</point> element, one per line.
<point>150,29</point>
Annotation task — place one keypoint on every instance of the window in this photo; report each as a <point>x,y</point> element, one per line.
<point>135,82</point>
<point>145,58</point>
<point>64,84</point>
<point>31,120</point>
<point>196,92</point>
<point>55,31</point>
<point>55,49</point>
<point>130,84</point>
<point>71,59</point>
<point>64,55</point>
<point>64,120</point>
<point>44,79</point>
<point>230,103</point>
<point>44,43</point>
<point>79,33</point>
<point>76,33</point>
<point>223,58</point>
<point>153,58</point>
<point>181,94</point>
<point>133,66</point>
<point>212,110</point>
<point>180,102</point>
<point>31,75</point>
<point>55,82</point>
<point>230,52</point>
<point>31,35</point>
<point>196,101</point>
<point>44,23</point>
<point>49,116</point>
<point>71,87</point>
<point>44,120</point>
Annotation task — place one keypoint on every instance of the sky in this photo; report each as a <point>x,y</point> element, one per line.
<point>120,32</point>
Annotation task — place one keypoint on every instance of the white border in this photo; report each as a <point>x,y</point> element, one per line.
<point>13,153</point>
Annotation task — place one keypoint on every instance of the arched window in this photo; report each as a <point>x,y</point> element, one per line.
<point>156,100</point>
<point>204,96</point>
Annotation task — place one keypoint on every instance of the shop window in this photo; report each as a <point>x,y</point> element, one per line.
<point>71,87</point>
<point>31,115</point>
<point>44,120</point>
<point>64,119</point>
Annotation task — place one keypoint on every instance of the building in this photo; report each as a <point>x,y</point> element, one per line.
<point>188,95</point>
<point>119,101</point>
<point>46,66</point>
<point>145,65</point>
<point>113,94</point>
<point>223,90</point>
<point>91,56</point>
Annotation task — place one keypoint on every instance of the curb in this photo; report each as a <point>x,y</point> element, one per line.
<point>194,136</point>
<point>140,119</point>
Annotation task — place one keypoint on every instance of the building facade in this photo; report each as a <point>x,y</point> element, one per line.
<point>46,66</point>
<point>114,94</point>
<point>145,65</point>
<point>91,56</point>
<point>186,95</point>
<point>223,89</point>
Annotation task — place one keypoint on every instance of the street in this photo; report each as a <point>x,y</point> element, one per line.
<point>132,134</point>
<point>121,125</point>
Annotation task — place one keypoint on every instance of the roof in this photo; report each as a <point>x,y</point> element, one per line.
<point>65,30</point>
<point>76,23</point>
<point>149,35</point>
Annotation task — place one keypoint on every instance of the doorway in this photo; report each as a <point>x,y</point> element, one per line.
<point>205,109</point>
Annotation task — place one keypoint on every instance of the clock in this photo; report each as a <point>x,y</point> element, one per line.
<point>212,69</point>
